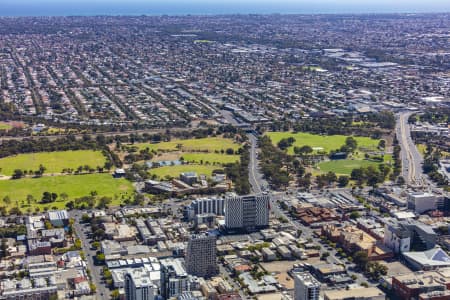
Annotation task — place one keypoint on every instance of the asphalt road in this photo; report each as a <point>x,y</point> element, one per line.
<point>102,291</point>
<point>226,276</point>
<point>254,176</point>
<point>411,158</point>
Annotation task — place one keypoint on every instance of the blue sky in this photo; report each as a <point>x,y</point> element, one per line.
<point>86,7</point>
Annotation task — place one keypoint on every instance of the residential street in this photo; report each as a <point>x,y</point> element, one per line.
<point>80,229</point>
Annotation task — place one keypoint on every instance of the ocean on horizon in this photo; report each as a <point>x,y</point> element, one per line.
<point>60,8</point>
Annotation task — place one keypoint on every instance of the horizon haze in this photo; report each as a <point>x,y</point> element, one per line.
<point>209,7</point>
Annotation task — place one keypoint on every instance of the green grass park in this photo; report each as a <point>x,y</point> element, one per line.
<point>175,171</point>
<point>210,144</point>
<point>74,186</point>
<point>345,166</point>
<point>5,126</point>
<point>210,158</point>
<point>325,142</point>
<point>54,162</point>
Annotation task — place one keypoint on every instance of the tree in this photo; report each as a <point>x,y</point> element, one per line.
<point>373,177</point>
<point>375,270</point>
<point>48,225</point>
<point>384,169</point>
<point>108,165</point>
<point>229,151</point>
<point>41,169</point>
<point>100,257</point>
<point>96,245</point>
<point>283,144</point>
<point>321,180</point>
<point>70,205</point>
<point>77,244</point>
<point>297,165</point>
<point>30,199</point>
<point>325,255</point>
<point>70,227</point>
<point>85,218</point>
<point>361,259</point>
<point>64,197</point>
<point>107,273</point>
<point>138,199</point>
<point>357,174</point>
<point>15,211</point>
<point>305,181</point>
<point>355,215</point>
<point>291,140</point>
<point>343,181</point>
<point>4,249</point>
<point>54,196</point>
<point>351,144</point>
<point>48,197</point>
<point>17,174</point>
<point>7,200</point>
<point>99,234</point>
<point>104,202</point>
<point>115,295</point>
<point>303,150</point>
<point>331,177</point>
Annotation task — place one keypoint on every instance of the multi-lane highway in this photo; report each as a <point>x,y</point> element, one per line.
<point>254,176</point>
<point>411,158</point>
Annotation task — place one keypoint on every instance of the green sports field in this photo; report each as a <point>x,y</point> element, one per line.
<point>344,166</point>
<point>210,158</point>
<point>205,144</point>
<point>54,162</point>
<point>5,126</point>
<point>174,171</point>
<point>327,143</point>
<point>73,185</point>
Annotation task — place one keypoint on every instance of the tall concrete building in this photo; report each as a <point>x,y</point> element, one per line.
<point>246,212</point>
<point>306,286</point>
<point>201,255</point>
<point>204,206</point>
<point>138,285</point>
<point>407,235</point>
<point>175,280</point>
<point>421,202</point>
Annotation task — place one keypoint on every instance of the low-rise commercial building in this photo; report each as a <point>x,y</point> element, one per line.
<point>370,293</point>
<point>410,286</point>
